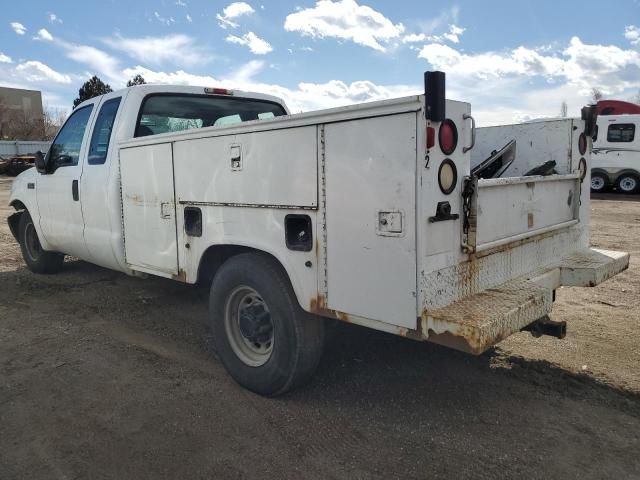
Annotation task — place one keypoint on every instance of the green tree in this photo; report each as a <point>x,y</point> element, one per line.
<point>91,88</point>
<point>137,80</point>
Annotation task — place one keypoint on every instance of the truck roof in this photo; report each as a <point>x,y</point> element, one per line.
<point>149,88</point>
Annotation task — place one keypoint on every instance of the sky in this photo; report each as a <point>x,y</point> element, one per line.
<point>511,60</point>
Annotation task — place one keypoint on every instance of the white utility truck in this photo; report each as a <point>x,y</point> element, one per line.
<point>616,154</point>
<point>365,214</point>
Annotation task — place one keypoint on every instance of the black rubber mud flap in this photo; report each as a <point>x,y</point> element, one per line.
<point>14,221</point>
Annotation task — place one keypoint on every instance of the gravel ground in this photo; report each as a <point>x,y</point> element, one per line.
<point>107,376</point>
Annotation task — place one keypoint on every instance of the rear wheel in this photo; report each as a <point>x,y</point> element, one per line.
<point>37,259</point>
<point>628,183</point>
<point>598,182</point>
<point>265,340</point>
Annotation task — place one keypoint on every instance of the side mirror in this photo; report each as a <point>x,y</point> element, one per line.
<point>41,165</point>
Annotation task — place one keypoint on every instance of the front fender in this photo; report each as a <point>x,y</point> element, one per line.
<point>23,197</point>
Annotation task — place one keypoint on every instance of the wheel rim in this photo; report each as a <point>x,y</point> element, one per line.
<point>597,183</point>
<point>249,326</point>
<point>628,184</point>
<point>31,242</point>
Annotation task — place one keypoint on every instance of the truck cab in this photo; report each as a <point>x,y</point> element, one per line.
<point>74,197</point>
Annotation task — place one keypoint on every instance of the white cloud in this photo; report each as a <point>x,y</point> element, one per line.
<point>43,34</point>
<point>346,20</point>
<point>256,44</point>
<point>522,83</point>
<point>414,38</point>
<point>188,17</point>
<point>19,28</point>
<point>232,11</point>
<point>5,58</point>
<point>445,17</point>
<point>503,86</point>
<point>53,18</point>
<point>97,60</point>
<point>632,33</point>
<point>607,67</point>
<point>177,48</point>
<point>34,71</point>
<point>246,72</point>
<point>454,33</point>
<point>180,3</point>
<point>168,21</point>
<point>304,97</point>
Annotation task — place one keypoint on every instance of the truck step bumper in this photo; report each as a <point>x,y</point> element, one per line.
<point>592,267</point>
<point>477,322</point>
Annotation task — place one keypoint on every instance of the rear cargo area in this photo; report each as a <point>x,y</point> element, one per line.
<point>392,248</point>
<point>522,237</point>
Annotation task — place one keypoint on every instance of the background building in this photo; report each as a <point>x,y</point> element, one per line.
<point>21,114</point>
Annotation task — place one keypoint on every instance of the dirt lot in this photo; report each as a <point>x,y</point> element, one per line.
<point>106,376</point>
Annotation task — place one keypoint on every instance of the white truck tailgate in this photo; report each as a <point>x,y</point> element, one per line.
<point>504,210</point>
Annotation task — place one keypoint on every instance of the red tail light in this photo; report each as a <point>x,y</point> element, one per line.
<point>582,144</point>
<point>218,91</point>
<point>448,137</point>
<point>431,137</point>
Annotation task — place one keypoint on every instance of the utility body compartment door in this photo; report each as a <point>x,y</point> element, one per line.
<point>149,209</point>
<point>370,169</point>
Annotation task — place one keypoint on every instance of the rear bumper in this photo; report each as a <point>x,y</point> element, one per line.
<point>479,321</point>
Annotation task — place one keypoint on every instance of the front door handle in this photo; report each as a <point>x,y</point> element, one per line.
<point>74,190</point>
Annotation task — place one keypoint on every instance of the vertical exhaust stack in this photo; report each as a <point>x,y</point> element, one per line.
<point>590,116</point>
<point>434,94</point>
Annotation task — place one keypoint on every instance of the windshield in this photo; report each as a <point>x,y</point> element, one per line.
<point>163,113</point>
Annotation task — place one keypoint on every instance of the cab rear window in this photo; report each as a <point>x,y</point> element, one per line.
<point>164,113</point>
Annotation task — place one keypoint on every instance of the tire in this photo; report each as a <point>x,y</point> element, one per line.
<point>628,183</point>
<point>598,182</point>
<point>267,343</point>
<point>37,259</point>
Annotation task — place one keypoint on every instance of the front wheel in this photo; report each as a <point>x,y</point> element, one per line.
<point>37,259</point>
<point>628,183</point>
<point>265,340</point>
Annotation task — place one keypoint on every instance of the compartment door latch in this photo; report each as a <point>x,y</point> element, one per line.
<point>166,210</point>
<point>236,158</point>
<point>390,223</point>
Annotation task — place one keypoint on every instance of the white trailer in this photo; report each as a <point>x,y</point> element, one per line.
<point>364,214</point>
<point>616,154</point>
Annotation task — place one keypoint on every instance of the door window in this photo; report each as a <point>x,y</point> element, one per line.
<point>99,146</point>
<point>65,150</point>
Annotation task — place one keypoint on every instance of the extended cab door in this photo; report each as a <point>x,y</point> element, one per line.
<point>58,192</point>
<point>99,187</point>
